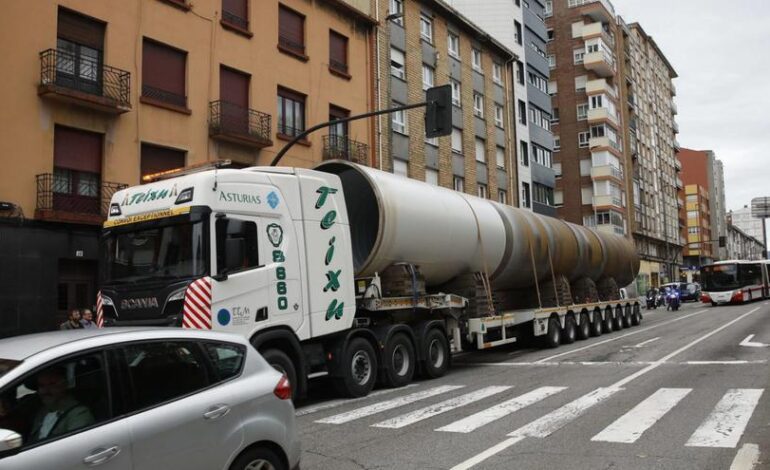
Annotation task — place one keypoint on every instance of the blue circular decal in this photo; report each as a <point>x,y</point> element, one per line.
<point>223,317</point>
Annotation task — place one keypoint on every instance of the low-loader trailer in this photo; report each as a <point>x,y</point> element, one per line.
<point>355,273</point>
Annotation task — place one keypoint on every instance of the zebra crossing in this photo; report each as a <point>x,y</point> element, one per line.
<point>723,427</point>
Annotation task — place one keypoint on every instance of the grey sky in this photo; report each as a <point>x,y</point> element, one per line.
<point>719,50</point>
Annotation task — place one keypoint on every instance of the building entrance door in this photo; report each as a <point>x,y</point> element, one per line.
<point>76,286</point>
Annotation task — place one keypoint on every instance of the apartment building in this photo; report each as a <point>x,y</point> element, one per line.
<point>649,133</point>
<point>751,225</point>
<point>741,245</point>
<point>427,43</point>
<point>701,167</point>
<point>700,244</point>
<point>104,92</point>
<point>520,27</point>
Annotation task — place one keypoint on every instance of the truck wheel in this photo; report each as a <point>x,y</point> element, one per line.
<point>282,363</point>
<point>584,330</point>
<point>617,321</point>
<point>435,353</point>
<point>397,361</point>
<point>569,334</point>
<point>553,336</point>
<point>359,369</point>
<point>627,317</point>
<point>596,324</point>
<point>636,317</point>
<point>607,323</point>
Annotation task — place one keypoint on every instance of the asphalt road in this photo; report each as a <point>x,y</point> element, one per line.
<point>677,392</point>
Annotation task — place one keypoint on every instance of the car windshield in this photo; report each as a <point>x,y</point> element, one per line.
<point>720,277</point>
<point>6,365</point>
<point>170,251</point>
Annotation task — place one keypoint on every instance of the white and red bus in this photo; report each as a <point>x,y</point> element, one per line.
<point>735,281</point>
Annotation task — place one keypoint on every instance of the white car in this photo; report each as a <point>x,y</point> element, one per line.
<point>149,398</point>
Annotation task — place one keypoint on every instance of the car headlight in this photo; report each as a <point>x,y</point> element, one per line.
<point>107,301</point>
<point>178,295</point>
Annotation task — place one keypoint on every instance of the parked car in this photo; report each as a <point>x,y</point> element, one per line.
<point>142,398</point>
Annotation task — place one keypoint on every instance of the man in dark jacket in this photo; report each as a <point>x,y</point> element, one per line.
<point>73,321</point>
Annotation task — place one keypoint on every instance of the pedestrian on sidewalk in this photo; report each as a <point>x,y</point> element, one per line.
<point>87,319</point>
<point>73,321</point>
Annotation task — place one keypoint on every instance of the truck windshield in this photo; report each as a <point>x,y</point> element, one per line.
<point>721,277</point>
<point>167,252</point>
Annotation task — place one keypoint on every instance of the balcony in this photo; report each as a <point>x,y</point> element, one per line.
<point>84,81</point>
<point>599,86</point>
<point>597,143</point>
<point>679,202</point>
<point>673,90</point>
<point>343,148</point>
<point>677,147</point>
<point>596,30</point>
<point>676,127</point>
<point>677,164</point>
<point>63,199</point>
<point>598,10</point>
<point>605,172</point>
<point>674,109</point>
<point>631,102</point>
<point>599,115</point>
<point>610,229</point>
<point>607,202</point>
<point>232,123</point>
<point>679,183</point>
<point>600,62</point>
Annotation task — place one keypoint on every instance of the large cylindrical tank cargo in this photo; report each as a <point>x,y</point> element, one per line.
<point>446,233</point>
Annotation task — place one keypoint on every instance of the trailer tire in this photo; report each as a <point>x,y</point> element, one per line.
<point>569,334</point>
<point>281,362</point>
<point>435,354</point>
<point>617,320</point>
<point>552,338</point>
<point>398,361</point>
<point>627,323</point>
<point>607,324</point>
<point>358,369</point>
<point>596,324</point>
<point>584,330</point>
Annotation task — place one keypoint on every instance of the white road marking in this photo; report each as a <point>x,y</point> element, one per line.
<point>747,458</point>
<point>630,427</point>
<point>387,405</point>
<point>643,343</point>
<point>484,417</point>
<point>615,338</point>
<point>725,425</point>
<point>306,410</point>
<point>723,363</point>
<point>554,421</point>
<point>438,408</point>
<point>616,363</point>
<point>752,344</point>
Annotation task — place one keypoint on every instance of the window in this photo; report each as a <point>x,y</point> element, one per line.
<point>456,95</point>
<point>339,128</point>
<point>163,74</point>
<point>596,101</point>
<point>478,105</point>
<point>291,112</point>
<point>399,120</point>
<point>77,170</point>
<point>500,157</point>
<point>550,35</point>
<point>542,194</point>
<point>481,190</point>
<point>542,156</point>
<point>517,32</point>
<point>524,154</point>
<point>592,48</point>
<point>548,11</point>
<point>431,176</point>
<point>538,81</point>
<point>497,73</point>
<point>156,159</point>
<point>397,8</point>
<point>556,144</point>
<point>522,113</point>
<point>582,111</point>
<point>525,201</point>
<point>457,140</point>
<point>226,358</point>
<point>426,28</point>
<point>236,245</point>
<point>583,138</point>
<point>397,68</point>
<point>555,116</point>
<point>481,151</point>
<point>400,168</point>
<point>338,53</point>
<point>502,196</point>
<point>427,76</point>
<point>80,45</point>
<point>557,170</point>
<point>459,184</point>
<point>520,72</point>
<point>539,117</point>
<point>553,88</point>
<point>499,116</point>
<point>552,61</point>
<point>453,44</point>
<point>291,31</point>
<point>236,13</point>
<point>476,59</point>
<point>432,141</point>
<point>692,214</point>
<point>151,364</point>
<point>580,83</point>
<point>578,55</point>
<point>76,389</point>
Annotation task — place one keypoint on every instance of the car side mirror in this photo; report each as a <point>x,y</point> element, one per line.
<point>9,441</point>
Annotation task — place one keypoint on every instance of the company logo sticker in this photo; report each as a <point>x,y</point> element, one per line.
<point>275,234</point>
<point>272,200</point>
<point>223,317</point>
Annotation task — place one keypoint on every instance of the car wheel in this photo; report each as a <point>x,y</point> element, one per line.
<point>398,361</point>
<point>283,364</point>
<point>258,458</point>
<point>553,336</point>
<point>584,330</point>
<point>596,324</point>
<point>569,333</point>
<point>713,304</point>
<point>435,354</point>
<point>359,369</point>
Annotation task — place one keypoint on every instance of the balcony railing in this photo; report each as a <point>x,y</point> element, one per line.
<point>84,80</point>
<point>342,147</point>
<point>234,123</point>
<point>62,198</point>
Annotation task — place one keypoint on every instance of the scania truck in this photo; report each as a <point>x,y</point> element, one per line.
<point>355,273</point>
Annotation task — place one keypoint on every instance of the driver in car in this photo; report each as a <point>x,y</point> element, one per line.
<point>59,412</point>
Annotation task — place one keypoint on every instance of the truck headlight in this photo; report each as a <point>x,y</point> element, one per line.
<point>106,301</point>
<point>178,295</point>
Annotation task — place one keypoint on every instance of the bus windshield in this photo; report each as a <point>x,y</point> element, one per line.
<point>720,277</point>
<point>173,251</point>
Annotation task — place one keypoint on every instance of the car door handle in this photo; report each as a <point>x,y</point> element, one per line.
<point>101,455</point>
<point>217,411</point>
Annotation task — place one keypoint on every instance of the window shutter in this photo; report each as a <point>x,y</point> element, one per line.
<point>237,8</point>
<point>163,67</point>
<point>78,150</point>
<point>156,159</point>
<point>291,26</point>
<point>338,50</point>
<point>234,87</point>
<point>80,29</point>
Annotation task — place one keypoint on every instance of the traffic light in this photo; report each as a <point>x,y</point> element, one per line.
<point>438,114</point>
<point>722,242</point>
